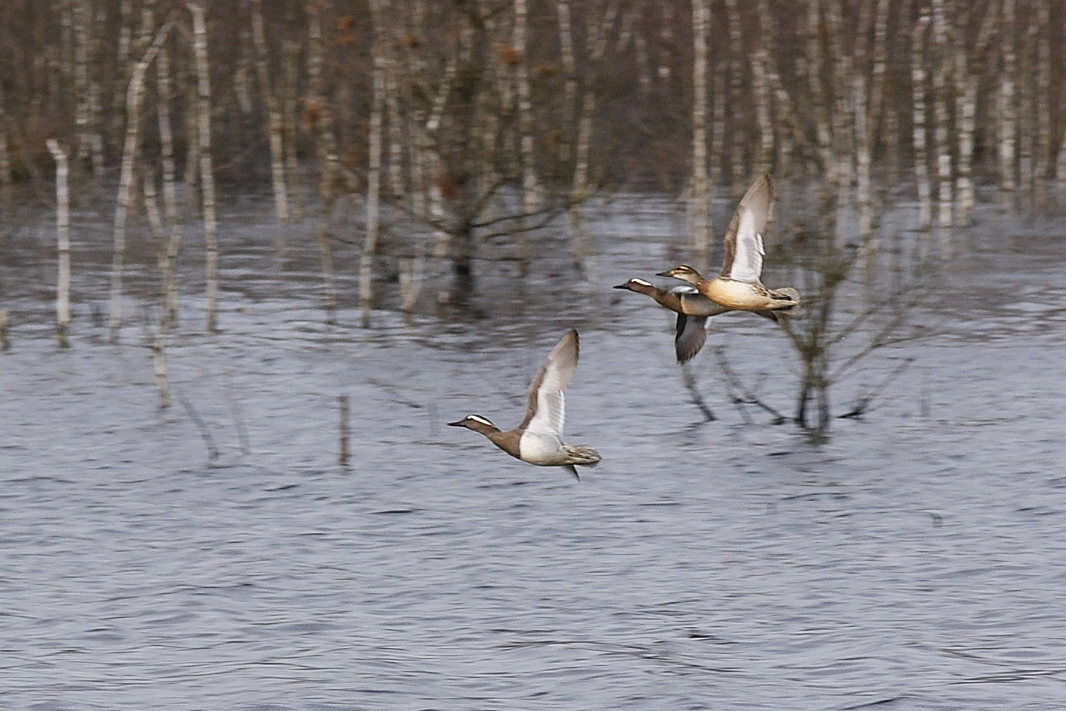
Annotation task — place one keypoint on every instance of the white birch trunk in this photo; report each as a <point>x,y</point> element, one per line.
<point>329,160</point>
<point>1043,97</point>
<point>863,180</point>
<point>274,119</point>
<point>966,110</point>
<point>1026,123</point>
<point>124,200</point>
<point>700,189</point>
<point>207,174</point>
<point>169,253</point>
<point>737,90</point>
<point>62,241</point>
<point>566,51</point>
<point>122,62</point>
<point>921,159</point>
<point>82,16</point>
<point>394,122</point>
<point>942,149</point>
<point>159,361</point>
<point>1006,116</point>
<point>373,177</point>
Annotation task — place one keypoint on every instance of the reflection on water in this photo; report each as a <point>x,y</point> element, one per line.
<point>913,561</point>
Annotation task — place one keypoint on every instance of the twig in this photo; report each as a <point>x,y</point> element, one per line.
<point>862,403</point>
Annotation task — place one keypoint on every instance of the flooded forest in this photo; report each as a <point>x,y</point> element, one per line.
<point>408,147</point>
<point>257,255</point>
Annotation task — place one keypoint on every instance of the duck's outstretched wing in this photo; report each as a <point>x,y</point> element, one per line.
<point>743,254</point>
<point>689,337</point>
<point>545,401</point>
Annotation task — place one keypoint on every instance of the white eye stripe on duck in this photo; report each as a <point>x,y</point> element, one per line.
<point>479,418</point>
<point>635,280</point>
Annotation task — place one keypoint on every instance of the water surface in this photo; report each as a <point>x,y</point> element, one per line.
<point>915,560</point>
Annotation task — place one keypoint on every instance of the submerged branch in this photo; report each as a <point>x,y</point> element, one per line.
<point>746,396</point>
<point>862,403</point>
<point>688,379</point>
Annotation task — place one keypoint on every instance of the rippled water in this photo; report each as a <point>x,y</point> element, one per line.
<point>915,560</point>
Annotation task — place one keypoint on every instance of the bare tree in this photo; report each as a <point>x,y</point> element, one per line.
<point>62,241</point>
<point>699,210</point>
<point>130,154</point>
<point>373,178</point>
<point>207,173</point>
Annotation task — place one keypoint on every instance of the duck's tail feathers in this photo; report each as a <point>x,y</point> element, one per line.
<point>585,456</point>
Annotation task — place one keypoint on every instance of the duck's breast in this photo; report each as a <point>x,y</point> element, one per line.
<point>539,448</point>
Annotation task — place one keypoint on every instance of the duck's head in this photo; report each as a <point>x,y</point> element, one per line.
<point>638,285</point>
<point>476,423</point>
<point>683,272</point>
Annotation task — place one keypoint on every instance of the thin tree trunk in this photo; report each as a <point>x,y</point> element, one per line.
<point>159,361</point>
<point>841,120</point>
<point>62,241</point>
<point>760,75</point>
<point>274,119</point>
<point>781,146</point>
<point>966,111</point>
<point>582,190</point>
<point>207,176</point>
<point>737,92</point>
<point>1006,116</point>
<point>718,143</point>
<point>566,51</point>
<point>942,149</point>
<point>700,188</point>
<point>289,124</point>
<point>1043,100</point>
<point>122,62</point>
<point>819,99</point>
<point>373,177</point>
<point>921,159</point>
<point>530,188</point>
<point>329,161</point>
<point>863,179</point>
<point>130,151</point>
<point>168,253</point>
<point>5,155</point>
<point>431,167</point>
<point>82,34</point>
